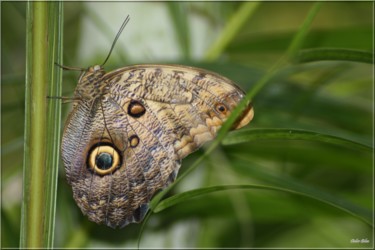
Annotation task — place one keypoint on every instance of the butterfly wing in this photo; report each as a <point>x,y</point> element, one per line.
<point>191,104</point>
<point>124,145</point>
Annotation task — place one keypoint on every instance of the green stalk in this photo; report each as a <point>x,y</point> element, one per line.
<point>53,116</point>
<point>177,13</point>
<point>231,29</point>
<point>298,39</point>
<point>42,121</point>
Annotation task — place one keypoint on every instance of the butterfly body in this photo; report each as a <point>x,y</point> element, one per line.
<point>130,128</point>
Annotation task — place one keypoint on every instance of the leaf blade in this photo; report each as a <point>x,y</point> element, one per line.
<point>310,192</point>
<point>247,135</point>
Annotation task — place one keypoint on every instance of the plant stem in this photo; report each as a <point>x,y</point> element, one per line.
<point>38,174</point>
<point>231,29</point>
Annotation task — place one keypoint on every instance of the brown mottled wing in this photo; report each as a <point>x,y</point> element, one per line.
<point>153,116</point>
<point>120,197</point>
<point>185,101</point>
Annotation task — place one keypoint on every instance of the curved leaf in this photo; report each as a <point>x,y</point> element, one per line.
<point>247,135</point>
<point>325,54</point>
<point>332,200</point>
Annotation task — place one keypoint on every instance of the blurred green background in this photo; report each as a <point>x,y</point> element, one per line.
<point>328,97</point>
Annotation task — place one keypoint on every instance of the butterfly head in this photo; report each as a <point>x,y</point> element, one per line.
<point>90,83</point>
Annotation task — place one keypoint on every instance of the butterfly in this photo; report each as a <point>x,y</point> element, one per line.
<point>130,128</point>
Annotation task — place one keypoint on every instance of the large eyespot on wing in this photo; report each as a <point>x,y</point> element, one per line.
<point>104,158</point>
<point>116,158</point>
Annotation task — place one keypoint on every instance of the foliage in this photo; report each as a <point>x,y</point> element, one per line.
<point>264,186</point>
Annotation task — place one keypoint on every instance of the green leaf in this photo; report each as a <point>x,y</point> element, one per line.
<point>42,124</point>
<point>299,38</point>
<point>325,54</point>
<point>303,190</point>
<point>245,11</point>
<point>246,135</point>
<point>180,22</point>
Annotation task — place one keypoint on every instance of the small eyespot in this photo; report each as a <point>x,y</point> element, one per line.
<point>134,141</point>
<point>136,109</point>
<point>103,159</point>
<point>221,108</point>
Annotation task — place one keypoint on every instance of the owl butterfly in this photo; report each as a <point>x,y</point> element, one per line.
<point>130,128</point>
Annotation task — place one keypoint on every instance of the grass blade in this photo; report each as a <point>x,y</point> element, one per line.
<point>325,54</point>
<point>231,29</point>
<point>177,12</point>
<point>301,189</point>
<point>247,135</point>
<point>53,117</point>
<point>302,33</point>
<point>41,154</point>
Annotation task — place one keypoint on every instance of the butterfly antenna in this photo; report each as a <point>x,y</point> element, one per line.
<point>69,68</point>
<point>116,38</point>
